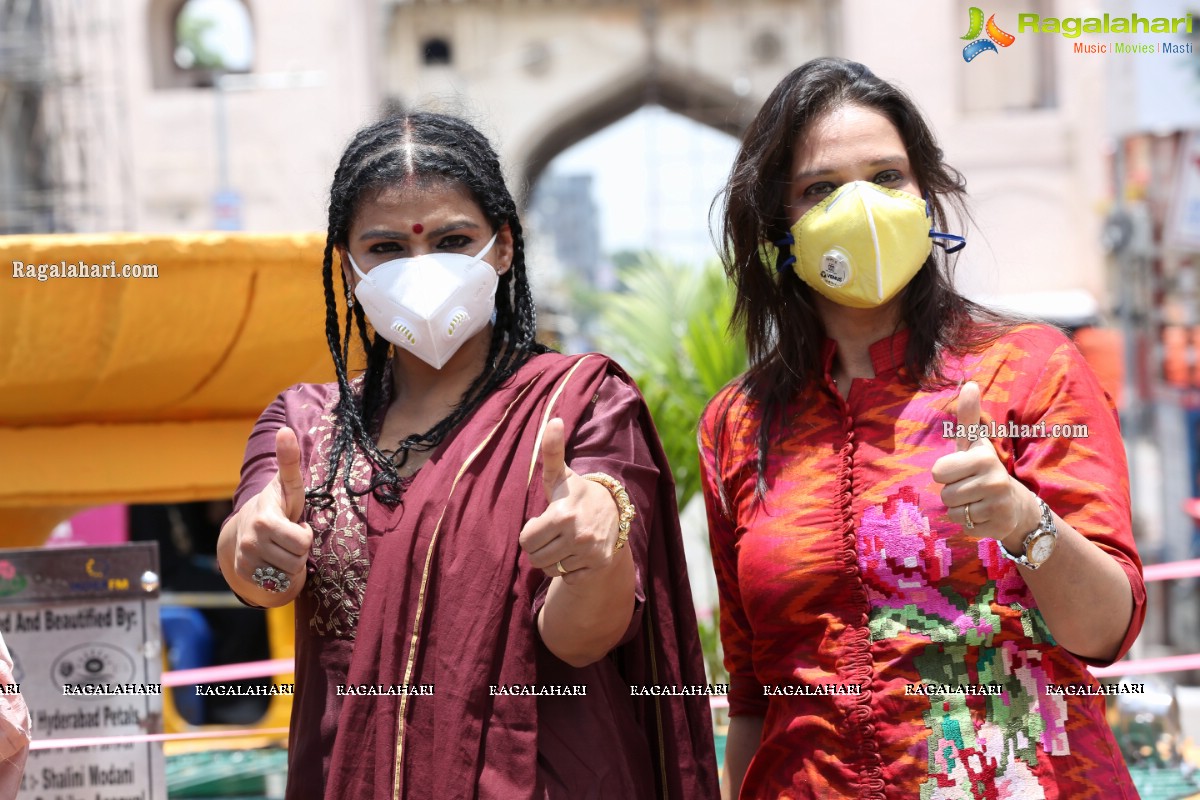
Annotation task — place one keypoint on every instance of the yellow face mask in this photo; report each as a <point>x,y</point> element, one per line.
<point>863,243</point>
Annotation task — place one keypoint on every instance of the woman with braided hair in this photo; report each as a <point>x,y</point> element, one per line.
<point>480,534</point>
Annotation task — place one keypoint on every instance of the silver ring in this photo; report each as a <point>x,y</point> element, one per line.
<point>270,579</point>
<point>967,515</point>
<point>561,571</point>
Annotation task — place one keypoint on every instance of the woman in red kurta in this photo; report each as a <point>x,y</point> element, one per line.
<point>919,510</point>
<point>480,534</point>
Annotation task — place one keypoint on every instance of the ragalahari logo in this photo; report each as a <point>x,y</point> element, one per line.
<point>995,36</point>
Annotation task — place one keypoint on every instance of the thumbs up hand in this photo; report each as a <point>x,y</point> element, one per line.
<point>555,471</point>
<point>291,484</point>
<point>270,534</point>
<point>968,412</point>
<point>576,533</point>
<point>978,492</point>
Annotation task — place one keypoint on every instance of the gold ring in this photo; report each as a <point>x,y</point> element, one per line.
<point>561,571</point>
<point>967,515</point>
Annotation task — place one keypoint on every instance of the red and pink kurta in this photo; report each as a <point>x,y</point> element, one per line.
<point>851,576</point>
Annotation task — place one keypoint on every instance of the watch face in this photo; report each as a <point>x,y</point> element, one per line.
<point>1041,548</point>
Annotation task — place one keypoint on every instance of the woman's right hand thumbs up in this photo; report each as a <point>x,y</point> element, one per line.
<point>265,541</point>
<point>291,484</point>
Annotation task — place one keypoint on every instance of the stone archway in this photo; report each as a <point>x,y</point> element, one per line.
<point>537,77</point>
<point>693,96</point>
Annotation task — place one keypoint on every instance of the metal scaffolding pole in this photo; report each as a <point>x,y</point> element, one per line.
<point>57,105</point>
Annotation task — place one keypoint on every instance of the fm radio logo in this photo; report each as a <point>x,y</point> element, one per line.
<point>10,581</point>
<point>995,36</point>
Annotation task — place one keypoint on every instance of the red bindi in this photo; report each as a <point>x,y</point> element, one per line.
<point>418,227</point>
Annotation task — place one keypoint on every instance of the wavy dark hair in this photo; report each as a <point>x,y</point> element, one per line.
<point>427,147</point>
<point>784,332</point>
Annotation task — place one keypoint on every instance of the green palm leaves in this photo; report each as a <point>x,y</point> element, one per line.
<point>668,328</point>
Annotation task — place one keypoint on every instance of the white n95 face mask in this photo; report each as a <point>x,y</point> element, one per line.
<point>429,305</point>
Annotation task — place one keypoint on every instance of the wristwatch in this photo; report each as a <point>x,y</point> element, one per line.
<point>1039,542</point>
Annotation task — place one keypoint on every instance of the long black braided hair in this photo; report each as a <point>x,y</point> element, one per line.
<point>422,146</point>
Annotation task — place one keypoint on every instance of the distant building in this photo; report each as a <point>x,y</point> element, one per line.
<point>564,212</point>
<point>178,115</point>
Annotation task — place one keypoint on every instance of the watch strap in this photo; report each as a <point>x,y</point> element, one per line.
<point>1045,526</point>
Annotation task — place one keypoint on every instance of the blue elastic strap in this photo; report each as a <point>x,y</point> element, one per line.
<point>786,242</point>
<point>935,235</point>
<point>961,240</point>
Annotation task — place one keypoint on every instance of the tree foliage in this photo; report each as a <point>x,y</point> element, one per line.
<point>668,326</point>
<point>193,34</point>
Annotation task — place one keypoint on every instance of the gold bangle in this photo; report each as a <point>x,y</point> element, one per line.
<point>625,510</point>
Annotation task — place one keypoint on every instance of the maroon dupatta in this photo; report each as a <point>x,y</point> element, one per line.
<point>448,603</point>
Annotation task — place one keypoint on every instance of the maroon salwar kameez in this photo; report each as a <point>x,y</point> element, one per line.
<point>434,593</point>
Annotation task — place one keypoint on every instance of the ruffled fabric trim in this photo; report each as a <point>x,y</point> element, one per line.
<point>857,666</point>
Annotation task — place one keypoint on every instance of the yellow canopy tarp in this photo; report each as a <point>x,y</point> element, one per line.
<point>144,389</point>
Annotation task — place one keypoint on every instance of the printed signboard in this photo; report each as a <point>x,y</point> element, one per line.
<point>83,628</point>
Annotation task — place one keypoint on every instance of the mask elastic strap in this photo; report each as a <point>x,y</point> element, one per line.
<point>961,241</point>
<point>487,247</point>
<point>354,266</point>
<point>935,235</point>
<point>785,246</point>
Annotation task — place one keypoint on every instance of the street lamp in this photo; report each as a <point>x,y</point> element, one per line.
<point>227,201</point>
